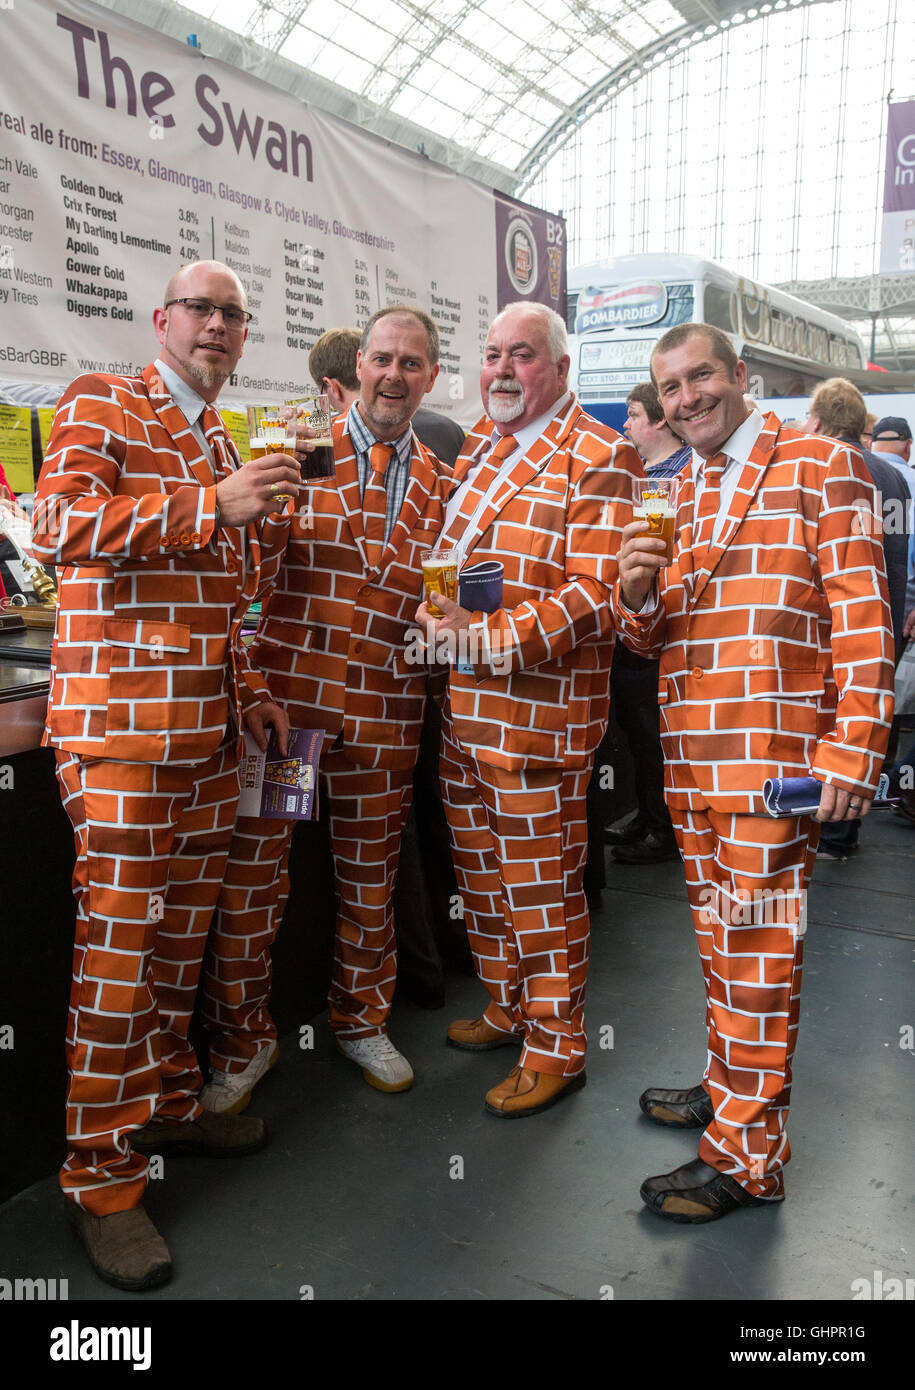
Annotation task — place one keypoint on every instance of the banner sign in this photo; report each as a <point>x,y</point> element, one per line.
<point>623,306</point>
<point>897,250</point>
<point>124,153</point>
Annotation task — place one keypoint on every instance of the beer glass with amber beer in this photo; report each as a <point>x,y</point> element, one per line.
<point>269,432</point>
<point>654,504</point>
<point>440,576</point>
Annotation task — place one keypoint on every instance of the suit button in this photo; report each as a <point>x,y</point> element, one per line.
<point>365,590</point>
<point>357,646</point>
<point>231,567</point>
<point>697,672</point>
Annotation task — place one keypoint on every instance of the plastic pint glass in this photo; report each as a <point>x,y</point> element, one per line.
<point>654,504</point>
<point>440,575</point>
<point>268,431</point>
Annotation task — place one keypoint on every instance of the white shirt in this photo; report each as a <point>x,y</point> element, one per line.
<point>524,438</point>
<point>737,450</point>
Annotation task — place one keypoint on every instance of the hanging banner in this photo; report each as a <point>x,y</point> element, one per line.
<point>124,153</point>
<point>897,250</point>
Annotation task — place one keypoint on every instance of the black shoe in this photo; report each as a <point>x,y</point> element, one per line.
<point>651,848</point>
<point>696,1193</point>
<point>624,834</point>
<point>216,1136</point>
<point>690,1109</point>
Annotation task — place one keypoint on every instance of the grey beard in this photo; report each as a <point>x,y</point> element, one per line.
<point>510,410</point>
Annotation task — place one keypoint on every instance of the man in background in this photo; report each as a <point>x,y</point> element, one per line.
<point>892,438</point>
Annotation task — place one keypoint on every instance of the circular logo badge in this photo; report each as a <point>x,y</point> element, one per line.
<point>521,256</point>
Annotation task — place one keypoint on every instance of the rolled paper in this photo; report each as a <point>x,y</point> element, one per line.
<point>480,591</point>
<point>800,796</point>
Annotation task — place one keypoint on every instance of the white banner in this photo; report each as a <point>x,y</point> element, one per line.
<point>123,153</point>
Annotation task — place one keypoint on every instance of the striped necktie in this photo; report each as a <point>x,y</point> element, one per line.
<point>375,503</point>
<point>708,508</point>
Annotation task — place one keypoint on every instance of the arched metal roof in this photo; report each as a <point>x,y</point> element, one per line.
<point>490,87</point>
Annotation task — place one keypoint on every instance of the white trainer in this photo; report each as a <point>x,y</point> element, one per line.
<point>382,1065</point>
<point>228,1093</point>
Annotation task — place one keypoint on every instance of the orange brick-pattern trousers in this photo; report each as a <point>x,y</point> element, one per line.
<point>519,841</point>
<point>151,843</point>
<point>367,808</point>
<point>747,879</point>
<point>235,987</point>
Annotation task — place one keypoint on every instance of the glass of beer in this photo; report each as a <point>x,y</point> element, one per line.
<point>654,504</point>
<point>315,412</point>
<point>440,576</point>
<point>269,432</point>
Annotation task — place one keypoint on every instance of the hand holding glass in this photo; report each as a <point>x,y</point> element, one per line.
<point>654,504</point>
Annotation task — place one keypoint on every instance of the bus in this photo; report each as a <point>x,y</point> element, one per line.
<point>618,308</point>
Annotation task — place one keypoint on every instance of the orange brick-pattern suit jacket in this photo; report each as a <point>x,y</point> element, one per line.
<point>777,651</point>
<point>147,659</point>
<point>334,624</point>
<point>539,695</point>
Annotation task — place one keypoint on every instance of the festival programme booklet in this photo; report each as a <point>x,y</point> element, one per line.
<point>279,787</point>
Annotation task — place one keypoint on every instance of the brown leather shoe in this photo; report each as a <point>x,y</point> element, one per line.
<point>524,1092</point>
<point>124,1248</point>
<point>479,1035</point>
<point>216,1136</point>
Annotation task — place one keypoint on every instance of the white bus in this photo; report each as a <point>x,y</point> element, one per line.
<point>618,309</point>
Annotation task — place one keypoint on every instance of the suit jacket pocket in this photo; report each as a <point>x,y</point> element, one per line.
<point>146,634</point>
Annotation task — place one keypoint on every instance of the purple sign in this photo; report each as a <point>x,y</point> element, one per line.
<point>530,255</point>
<point>897,249</point>
<point>899,183</point>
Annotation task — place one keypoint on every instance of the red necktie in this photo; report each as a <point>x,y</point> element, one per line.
<point>375,502</point>
<point>707,510</point>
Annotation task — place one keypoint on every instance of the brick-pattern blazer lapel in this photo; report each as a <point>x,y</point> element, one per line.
<point>523,470</point>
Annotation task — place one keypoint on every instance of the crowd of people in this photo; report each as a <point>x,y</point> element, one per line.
<point>766,648</point>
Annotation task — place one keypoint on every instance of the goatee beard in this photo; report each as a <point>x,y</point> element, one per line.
<point>504,411</point>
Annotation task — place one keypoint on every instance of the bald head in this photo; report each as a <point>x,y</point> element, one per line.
<point>174,289</point>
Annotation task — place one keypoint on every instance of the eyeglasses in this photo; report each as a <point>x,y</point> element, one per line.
<point>203,310</point>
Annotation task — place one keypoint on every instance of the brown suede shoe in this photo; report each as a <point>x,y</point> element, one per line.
<point>479,1035</point>
<point>524,1092</point>
<point>216,1136</point>
<point>124,1248</point>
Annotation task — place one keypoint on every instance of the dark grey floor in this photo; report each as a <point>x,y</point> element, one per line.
<point>425,1196</point>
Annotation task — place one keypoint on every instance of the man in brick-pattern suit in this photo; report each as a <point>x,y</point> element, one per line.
<point>145,509</point>
<point>349,586</point>
<point>546,490</point>
<point>773,628</point>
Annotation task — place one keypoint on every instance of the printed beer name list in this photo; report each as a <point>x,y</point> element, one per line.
<point>238,254</point>
<point>305,277</point>
<point>448,316</point>
<point>19,284</point>
<point>96,286</point>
